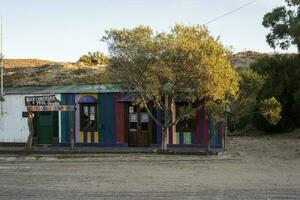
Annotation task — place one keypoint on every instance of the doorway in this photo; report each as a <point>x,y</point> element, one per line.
<point>139,126</point>
<point>46,127</point>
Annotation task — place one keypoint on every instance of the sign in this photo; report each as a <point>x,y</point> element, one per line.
<point>45,103</point>
<point>40,100</point>
<point>56,107</point>
<point>24,114</point>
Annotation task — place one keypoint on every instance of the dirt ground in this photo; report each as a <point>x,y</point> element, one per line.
<point>252,168</point>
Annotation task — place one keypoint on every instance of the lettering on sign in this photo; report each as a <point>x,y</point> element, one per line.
<point>40,100</point>
<point>63,108</point>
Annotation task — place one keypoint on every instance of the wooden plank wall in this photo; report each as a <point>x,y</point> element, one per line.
<point>111,121</point>
<point>204,124</point>
<point>66,117</point>
<point>111,124</point>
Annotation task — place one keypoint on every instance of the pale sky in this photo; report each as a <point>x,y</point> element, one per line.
<point>63,30</point>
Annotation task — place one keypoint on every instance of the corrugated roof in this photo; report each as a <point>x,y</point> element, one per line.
<point>103,88</point>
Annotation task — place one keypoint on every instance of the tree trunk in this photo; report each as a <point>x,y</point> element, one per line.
<point>165,129</point>
<point>165,132</point>
<point>173,114</point>
<point>31,131</point>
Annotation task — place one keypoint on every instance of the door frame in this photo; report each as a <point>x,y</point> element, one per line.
<point>139,131</point>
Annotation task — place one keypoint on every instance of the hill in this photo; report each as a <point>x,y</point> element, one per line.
<point>24,63</point>
<point>244,59</point>
<point>44,72</point>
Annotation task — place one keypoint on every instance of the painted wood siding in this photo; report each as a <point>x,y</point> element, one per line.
<point>66,118</point>
<point>204,125</point>
<point>13,127</point>
<point>111,121</point>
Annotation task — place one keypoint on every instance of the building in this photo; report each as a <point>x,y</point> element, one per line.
<point>104,116</point>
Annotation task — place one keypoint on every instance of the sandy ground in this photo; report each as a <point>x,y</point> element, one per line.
<point>252,168</point>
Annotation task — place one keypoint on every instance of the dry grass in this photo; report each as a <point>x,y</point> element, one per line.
<point>25,63</point>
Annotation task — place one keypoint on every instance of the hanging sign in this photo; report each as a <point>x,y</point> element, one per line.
<point>40,100</point>
<point>45,103</point>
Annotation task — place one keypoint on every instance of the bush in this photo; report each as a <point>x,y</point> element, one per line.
<point>94,58</point>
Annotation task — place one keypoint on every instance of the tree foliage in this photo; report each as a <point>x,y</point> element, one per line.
<point>94,58</point>
<point>271,109</point>
<point>243,106</point>
<point>284,25</point>
<point>282,74</point>
<point>185,63</point>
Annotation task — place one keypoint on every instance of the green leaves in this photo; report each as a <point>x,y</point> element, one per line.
<point>94,58</point>
<point>251,84</point>
<point>187,59</point>
<point>284,25</point>
<point>271,109</point>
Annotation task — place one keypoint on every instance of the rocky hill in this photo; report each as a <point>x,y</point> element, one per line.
<point>40,72</point>
<point>244,59</point>
<point>44,72</point>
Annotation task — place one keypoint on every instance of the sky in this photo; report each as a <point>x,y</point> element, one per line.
<point>63,30</point>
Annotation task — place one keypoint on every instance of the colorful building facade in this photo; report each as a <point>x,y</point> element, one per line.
<point>103,118</point>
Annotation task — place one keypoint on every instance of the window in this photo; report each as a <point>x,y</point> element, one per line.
<point>88,117</point>
<point>133,118</point>
<point>144,119</point>
<point>186,124</point>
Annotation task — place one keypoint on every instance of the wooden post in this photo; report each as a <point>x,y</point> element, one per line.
<point>72,133</point>
<point>31,131</point>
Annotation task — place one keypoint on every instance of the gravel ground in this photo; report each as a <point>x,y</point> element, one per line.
<point>252,168</point>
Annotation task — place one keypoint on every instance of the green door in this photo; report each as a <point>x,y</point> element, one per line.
<point>45,127</point>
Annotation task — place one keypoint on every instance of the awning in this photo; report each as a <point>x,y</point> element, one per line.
<point>87,99</point>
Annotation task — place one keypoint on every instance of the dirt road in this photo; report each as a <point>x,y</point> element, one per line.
<point>252,168</point>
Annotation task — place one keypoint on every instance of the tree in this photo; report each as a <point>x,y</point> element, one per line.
<point>282,81</point>
<point>250,84</point>
<point>94,58</point>
<point>284,25</point>
<point>185,63</point>
<point>271,109</point>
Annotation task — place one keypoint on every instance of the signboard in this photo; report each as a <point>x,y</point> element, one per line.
<point>40,100</point>
<point>45,103</point>
<point>63,108</point>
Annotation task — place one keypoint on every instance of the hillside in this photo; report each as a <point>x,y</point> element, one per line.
<point>40,72</point>
<point>244,59</point>
<point>43,72</point>
<point>24,63</point>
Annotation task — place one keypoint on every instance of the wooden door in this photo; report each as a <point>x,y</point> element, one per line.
<point>139,127</point>
<point>45,127</point>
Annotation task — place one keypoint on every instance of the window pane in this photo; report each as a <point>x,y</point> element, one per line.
<point>133,126</point>
<point>133,117</point>
<point>144,117</point>
<point>92,109</point>
<point>86,110</point>
<point>92,114</point>
<point>144,126</point>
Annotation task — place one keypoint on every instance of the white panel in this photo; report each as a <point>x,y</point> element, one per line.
<point>14,128</point>
<point>58,97</point>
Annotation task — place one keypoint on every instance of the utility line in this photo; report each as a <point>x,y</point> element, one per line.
<point>230,12</point>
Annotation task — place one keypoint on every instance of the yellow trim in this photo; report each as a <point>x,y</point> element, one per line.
<point>89,137</point>
<point>174,137</point>
<point>81,137</point>
<point>96,138</point>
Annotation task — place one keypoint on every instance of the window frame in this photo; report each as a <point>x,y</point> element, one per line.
<point>81,113</point>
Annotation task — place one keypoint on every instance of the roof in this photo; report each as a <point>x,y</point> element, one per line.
<point>103,88</point>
